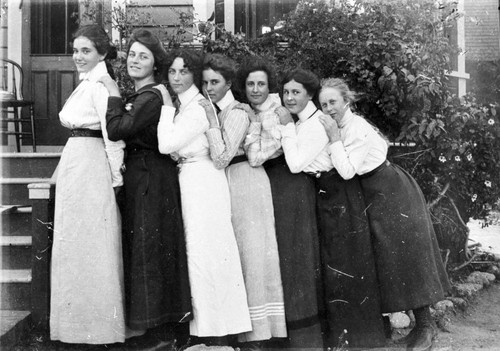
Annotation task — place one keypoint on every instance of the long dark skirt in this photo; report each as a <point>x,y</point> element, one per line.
<point>294,201</point>
<point>155,264</point>
<point>350,276</point>
<point>410,269</point>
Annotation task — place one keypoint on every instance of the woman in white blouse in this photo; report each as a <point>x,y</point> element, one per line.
<point>350,284</point>
<point>87,302</point>
<point>294,209</point>
<point>218,291</point>
<point>409,268</point>
<point>252,212</point>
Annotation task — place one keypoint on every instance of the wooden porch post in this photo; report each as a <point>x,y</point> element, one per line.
<point>42,201</point>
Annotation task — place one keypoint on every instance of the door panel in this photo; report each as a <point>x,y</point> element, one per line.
<point>53,78</point>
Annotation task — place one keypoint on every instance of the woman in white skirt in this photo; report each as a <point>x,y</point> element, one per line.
<point>251,202</point>
<point>87,303</point>
<point>218,292</point>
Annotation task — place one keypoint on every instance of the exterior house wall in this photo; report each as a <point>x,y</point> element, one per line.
<point>482,29</point>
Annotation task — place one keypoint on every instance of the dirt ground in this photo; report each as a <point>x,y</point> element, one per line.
<point>476,329</point>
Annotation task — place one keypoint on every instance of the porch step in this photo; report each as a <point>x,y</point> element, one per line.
<point>15,276</point>
<point>15,190</point>
<point>15,289</point>
<point>29,164</point>
<point>15,252</point>
<point>15,326</point>
<point>16,220</point>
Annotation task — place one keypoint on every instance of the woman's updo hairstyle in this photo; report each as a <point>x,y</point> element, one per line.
<point>150,41</point>
<point>253,64</point>
<point>98,36</point>
<point>308,79</point>
<point>193,61</point>
<point>221,64</point>
<point>340,84</point>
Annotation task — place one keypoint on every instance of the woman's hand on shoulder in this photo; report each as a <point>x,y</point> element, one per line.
<point>331,127</point>
<point>167,99</point>
<point>110,84</point>
<point>284,115</point>
<point>210,112</point>
<point>250,112</point>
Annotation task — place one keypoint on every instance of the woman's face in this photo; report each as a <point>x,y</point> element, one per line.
<point>295,96</point>
<point>85,54</point>
<point>257,87</point>
<point>215,85</point>
<point>180,77</point>
<point>332,103</point>
<point>140,62</point>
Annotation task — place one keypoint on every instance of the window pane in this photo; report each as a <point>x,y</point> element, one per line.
<point>52,23</point>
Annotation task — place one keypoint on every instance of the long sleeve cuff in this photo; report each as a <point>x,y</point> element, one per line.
<point>254,131</point>
<point>287,130</point>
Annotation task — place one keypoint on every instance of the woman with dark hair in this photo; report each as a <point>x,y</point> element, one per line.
<point>408,264</point>
<point>294,208</point>
<point>156,275</point>
<point>217,287</point>
<point>252,212</point>
<point>352,298</point>
<point>86,268</point>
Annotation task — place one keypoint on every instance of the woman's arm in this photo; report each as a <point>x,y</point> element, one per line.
<point>263,139</point>
<point>126,121</point>
<point>349,154</point>
<point>224,142</point>
<point>302,146</point>
<point>189,123</point>
<point>114,149</point>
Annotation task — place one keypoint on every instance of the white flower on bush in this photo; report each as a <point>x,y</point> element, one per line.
<point>487,183</point>
<point>457,158</point>
<point>491,122</point>
<point>474,197</point>
<point>469,157</point>
<point>442,159</point>
<point>128,106</point>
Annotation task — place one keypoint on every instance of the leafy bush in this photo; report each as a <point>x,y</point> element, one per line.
<point>395,55</point>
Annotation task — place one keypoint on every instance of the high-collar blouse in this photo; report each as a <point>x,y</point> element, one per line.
<point>263,140</point>
<point>86,108</point>
<point>182,134</point>
<point>361,148</point>
<point>305,143</point>
<point>227,141</point>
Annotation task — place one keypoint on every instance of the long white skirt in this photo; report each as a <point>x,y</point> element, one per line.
<point>218,292</point>
<point>87,303</point>
<point>253,223</point>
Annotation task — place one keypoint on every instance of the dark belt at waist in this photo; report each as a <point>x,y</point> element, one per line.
<point>376,170</point>
<point>84,132</point>
<point>316,174</point>
<point>238,159</point>
<point>280,160</point>
<point>140,151</point>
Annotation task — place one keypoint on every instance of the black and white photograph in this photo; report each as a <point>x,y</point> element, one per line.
<point>250,175</point>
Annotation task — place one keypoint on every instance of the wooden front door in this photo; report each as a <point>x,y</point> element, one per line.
<point>47,60</point>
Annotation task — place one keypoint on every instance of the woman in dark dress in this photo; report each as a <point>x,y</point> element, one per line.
<point>350,285</point>
<point>155,264</point>
<point>294,202</point>
<point>410,271</point>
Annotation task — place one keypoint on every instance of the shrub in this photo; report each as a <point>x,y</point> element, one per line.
<point>395,55</point>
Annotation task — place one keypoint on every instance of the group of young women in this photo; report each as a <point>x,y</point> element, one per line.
<point>255,219</point>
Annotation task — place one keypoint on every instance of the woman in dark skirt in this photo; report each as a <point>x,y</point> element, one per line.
<point>294,208</point>
<point>156,275</point>
<point>409,266</point>
<point>350,284</point>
